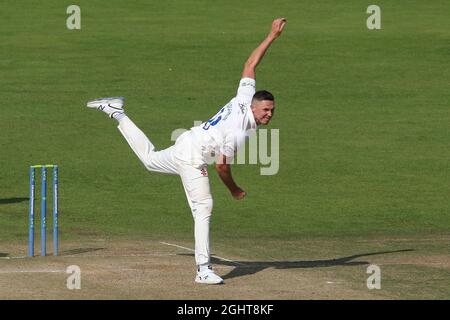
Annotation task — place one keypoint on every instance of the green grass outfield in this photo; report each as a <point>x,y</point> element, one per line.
<point>363,115</point>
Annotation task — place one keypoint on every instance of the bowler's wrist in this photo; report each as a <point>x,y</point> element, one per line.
<point>272,36</point>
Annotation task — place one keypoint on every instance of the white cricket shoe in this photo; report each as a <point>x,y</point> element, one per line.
<point>208,277</point>
<point>111,106</point>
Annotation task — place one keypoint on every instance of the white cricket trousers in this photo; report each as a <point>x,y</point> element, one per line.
<point>195,182</point>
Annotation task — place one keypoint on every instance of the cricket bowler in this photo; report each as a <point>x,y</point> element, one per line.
<point>215,140</point>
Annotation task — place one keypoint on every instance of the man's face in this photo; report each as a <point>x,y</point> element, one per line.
<point>263,111</point>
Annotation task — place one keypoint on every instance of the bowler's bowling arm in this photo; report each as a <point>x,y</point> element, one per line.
<point>257,54</point>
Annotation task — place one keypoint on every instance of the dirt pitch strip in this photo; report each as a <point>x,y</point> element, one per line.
<point>165,270</point>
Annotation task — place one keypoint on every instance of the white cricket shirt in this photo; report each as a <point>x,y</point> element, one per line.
<point>223,133</point>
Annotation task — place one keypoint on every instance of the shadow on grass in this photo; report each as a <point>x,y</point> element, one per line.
<point>12,200</point>
<point>3,255</point>
<point>79,251</point>
<point>244,268</point>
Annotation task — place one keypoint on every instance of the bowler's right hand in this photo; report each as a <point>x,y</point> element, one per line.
<point>238,194</point>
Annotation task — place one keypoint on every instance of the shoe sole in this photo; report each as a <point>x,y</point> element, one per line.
<point>208,282</point>
<point>213,283</point>
<point>109,98</point>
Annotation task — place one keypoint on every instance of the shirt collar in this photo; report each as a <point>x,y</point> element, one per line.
<point>251,119</point>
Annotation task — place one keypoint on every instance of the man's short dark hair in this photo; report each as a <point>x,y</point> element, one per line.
<point>263,95</point>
